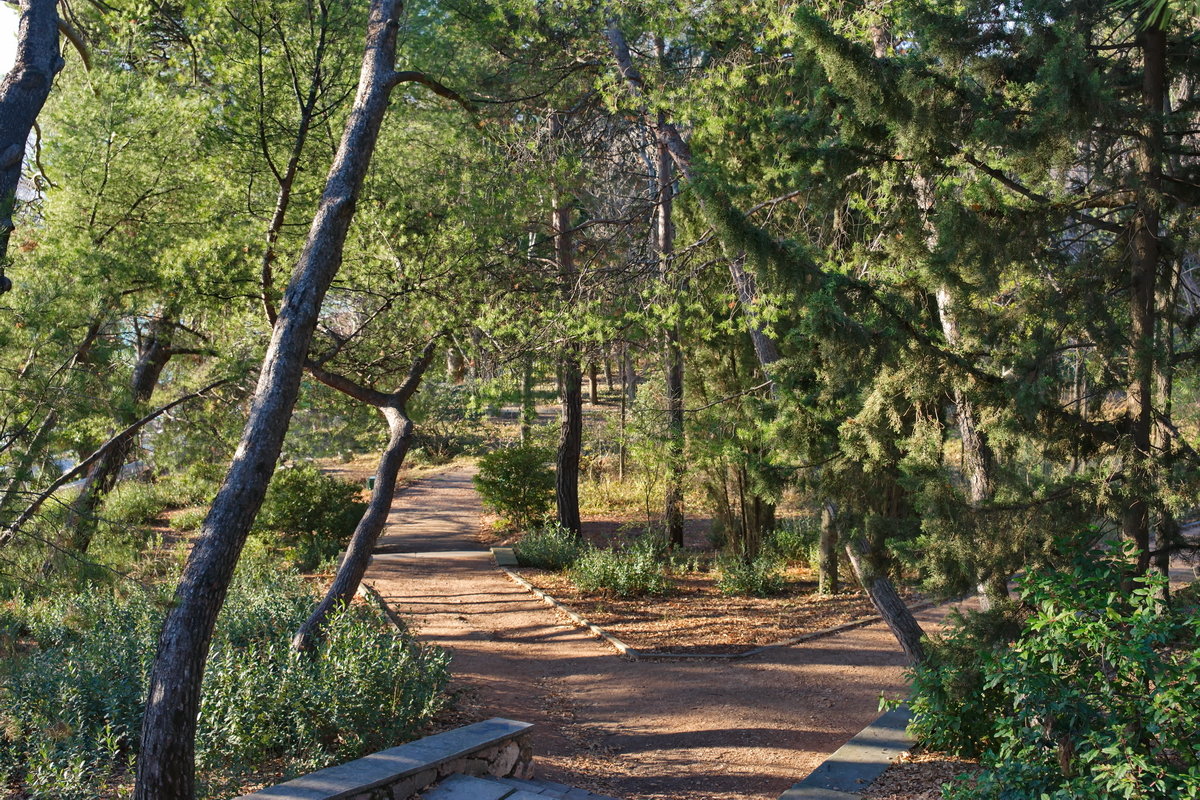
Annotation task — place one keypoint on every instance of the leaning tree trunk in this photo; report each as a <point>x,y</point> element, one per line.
<point>357,558</point>
<point>885,598</point>
<point>166,763</point>
<point>22,95</point>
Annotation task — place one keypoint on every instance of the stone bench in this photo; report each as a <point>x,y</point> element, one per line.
<point>497,747</point>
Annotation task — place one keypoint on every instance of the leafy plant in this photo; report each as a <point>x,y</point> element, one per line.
<point>134,503</point>
<point>759,577</point>
<point>517,483</point>
<point>1099,697</point>
<point>73,704</point>
<point>314,513</point>
<point>632,571</point>
<point>550,546</point>
<point>953,708</point>
<point>794,540</point>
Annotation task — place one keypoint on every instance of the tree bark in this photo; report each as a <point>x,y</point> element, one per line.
<point>22,95</point>
<point>357,557</point>
<point>528,404</point>
<point>978,457</point>
<point>570,440</point>
<point>673,353</point>
<point>1145,252</point>
<point>827,565</point>
<point>886,599</point>
<point>166,763</point>
<point>593,384</point>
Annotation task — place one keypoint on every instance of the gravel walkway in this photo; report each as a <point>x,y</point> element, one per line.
<point>674,729</point>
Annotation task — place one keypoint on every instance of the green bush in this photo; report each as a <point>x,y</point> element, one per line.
<point>73,705</point>
<point>633,571</point>
<point>952,706</point>
<point>133,503</point>
<point>549,547</point>
<point>517,483</point>
<point>759,577</point>
<point>313,513</point>
<point>189,520</point>
<point>1099,696</point>
<point>195,486</point>
<point>795,540</point>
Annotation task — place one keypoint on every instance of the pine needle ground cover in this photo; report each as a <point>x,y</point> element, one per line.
<point>691,609</point>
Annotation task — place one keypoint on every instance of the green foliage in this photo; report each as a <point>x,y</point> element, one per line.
<point>313,513</point>
<point>517,483</point>
<point>134,503</point>
<point>637,569</point>
<point>196,485</point>
<point>550,546</point>
<point>73,701</point>
<point>759,577</point>
<point>953,708</point>
<point>1099,697</point>
<point>189,520</point>
<point>795,540</point>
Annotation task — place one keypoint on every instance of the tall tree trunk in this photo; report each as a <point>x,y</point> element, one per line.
<point>1145,253</point>
<point>22,95</point>
<point>570,440</point>
<point>593,384</point>
<point>673,353</point>
<point>978,457</point>
<point>166,763</point>
<point>621,449</point>
<point>827,563</point>
<point>608,370</point>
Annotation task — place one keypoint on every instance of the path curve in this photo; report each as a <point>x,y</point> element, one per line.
<point>673,730</point>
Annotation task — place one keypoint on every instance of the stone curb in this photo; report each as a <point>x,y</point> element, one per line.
<point>654,655</point>
<point>854,766</point>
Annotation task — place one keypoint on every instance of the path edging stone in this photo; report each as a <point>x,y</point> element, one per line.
<point>656,655</point>
<point>853,767</point>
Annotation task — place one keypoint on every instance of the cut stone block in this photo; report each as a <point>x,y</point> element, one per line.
<point>464,787</point>
<point>505,557</point>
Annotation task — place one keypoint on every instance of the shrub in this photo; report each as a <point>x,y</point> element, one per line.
<point>633,571</point>
<point>517,483</point>
<point>759,577</point>
<point>133,503</point>
<point>197,485</point>
<point>549,547</point>
<point>189,520</point>
<point>73,705</point>
<point>795,540</point>
<point>314,513</point>
<point>1099,697</point>
<point>952,706</point>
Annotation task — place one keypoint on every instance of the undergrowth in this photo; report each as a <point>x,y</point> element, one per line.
<point>73,671</point>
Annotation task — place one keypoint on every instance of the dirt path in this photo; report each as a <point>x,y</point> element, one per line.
<point>679,729</point>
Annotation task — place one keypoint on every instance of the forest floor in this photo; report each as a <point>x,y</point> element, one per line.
<point>668,730</point>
